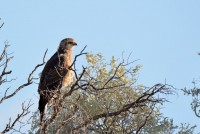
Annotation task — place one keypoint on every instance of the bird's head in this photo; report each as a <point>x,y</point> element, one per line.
<point>67,45</point>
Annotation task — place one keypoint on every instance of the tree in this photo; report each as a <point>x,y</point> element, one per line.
<point>104,98</point>
<point>195,93</point>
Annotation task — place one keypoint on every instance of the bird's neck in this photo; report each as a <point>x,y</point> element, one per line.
<point>67,63</point>
<point>67,55</point>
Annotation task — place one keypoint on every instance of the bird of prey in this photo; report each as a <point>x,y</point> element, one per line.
<point>56,74</point>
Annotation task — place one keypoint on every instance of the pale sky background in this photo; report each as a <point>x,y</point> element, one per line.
<point>163,34</point>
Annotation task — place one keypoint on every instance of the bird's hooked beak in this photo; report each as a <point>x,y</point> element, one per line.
<point>75,44</point>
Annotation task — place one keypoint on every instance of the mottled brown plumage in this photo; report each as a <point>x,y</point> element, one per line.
<point>56,74</point>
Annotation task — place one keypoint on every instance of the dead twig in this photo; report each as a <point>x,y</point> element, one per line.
<point>10,125</point>
<point>30,80</point>
<point>1,24</point>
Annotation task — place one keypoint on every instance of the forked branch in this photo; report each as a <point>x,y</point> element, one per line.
<point>10,125</point>
<point>30,78</point>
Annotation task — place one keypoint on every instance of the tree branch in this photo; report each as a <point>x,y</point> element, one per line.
<point>139,102</point>
<point>1,24</point>
<point>30,80</point>
<point>10,125</point>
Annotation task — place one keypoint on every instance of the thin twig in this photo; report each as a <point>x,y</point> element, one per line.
<point>10,125</point>
<point>30,80</point>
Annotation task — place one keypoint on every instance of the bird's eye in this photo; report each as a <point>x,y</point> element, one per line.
<point>70,43</point>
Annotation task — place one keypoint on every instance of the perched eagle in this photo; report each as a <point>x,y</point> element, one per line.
<point>56,73</point>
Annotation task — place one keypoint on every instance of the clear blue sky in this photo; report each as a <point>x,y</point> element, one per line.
<point>164,35</point>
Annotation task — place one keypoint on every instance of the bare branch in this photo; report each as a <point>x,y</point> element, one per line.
<point>1,24</point>
<point>30,80</point>
<point>4,60</point>
<point>10,125</point>
<point>78,55</point>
